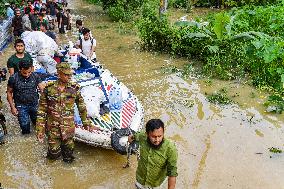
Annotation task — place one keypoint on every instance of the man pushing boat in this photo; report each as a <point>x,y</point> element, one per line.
<point>56,114</point>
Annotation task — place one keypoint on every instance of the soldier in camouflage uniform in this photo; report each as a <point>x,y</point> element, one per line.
<point>56,114</point>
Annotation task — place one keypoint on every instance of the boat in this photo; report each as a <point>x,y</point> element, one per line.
<point>111,106</point>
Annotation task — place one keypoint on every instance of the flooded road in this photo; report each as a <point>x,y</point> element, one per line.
<point>219,146</point>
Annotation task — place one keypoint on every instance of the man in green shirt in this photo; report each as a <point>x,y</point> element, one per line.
<point>158,157</point>
<point>19,56</point>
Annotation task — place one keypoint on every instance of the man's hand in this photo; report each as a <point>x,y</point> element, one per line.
<point>130,138</point>
<point>40,137</point>
<point>14,111</point>
<point>91,128</point>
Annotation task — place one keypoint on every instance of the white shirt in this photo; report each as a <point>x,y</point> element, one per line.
<point>87,46</point>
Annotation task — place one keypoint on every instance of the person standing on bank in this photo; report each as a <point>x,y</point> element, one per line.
<point>56,114</point>
<point>19,56</point>
<point>22,95</point>
<point>158,157</point>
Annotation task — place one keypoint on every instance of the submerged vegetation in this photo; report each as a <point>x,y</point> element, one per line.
<point>220,97</point>
<point>275,150</point>
<point>275,103</point>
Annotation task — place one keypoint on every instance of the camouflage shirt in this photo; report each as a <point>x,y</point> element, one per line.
<point>56,110</point>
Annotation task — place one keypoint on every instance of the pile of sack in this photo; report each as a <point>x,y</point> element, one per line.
<point>43,46</point>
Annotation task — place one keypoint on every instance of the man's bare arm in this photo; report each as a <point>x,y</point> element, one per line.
<point>171,182</point>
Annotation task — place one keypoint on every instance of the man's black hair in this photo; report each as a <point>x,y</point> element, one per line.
<point>85,30</point>
<point>79,22</point>
<point>25,65</point>
<point>153,124</point>
<point>18,41</point>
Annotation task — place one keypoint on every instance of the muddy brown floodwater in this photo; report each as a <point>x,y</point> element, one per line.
<point>219,146</point>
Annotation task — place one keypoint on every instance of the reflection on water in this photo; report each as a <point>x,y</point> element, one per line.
<point>219,146</point>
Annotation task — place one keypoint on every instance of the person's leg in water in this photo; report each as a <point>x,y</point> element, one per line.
<point>54,149</point>
<point>67,150</point>
<point>24,119</point>
<point>33,113</point>
<point>3,123</point>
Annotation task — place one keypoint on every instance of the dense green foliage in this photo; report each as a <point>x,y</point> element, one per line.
<point>275,150</point>
<point>231,45</point>
<point>3,8</point>
<point>218,3</point>
<point>123,10</point>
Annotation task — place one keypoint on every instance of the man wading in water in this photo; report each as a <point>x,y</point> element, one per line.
<point>158,157</point>
<point>56,114</point>
<point>22,95</point>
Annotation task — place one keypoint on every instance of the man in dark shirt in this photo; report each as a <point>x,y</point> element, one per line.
<point>22,95</point>
<point>17,26</point>
<point>20,55</point>
<point>51,6</point>
<point>33,18</point>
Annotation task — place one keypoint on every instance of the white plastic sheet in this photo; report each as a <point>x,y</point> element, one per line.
<point>93,97</point>
<point>43,46</point>
<point>35,41</point>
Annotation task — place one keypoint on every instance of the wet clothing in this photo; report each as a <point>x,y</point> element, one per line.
<point>24,89</point>
<point>56,118</point>
<point>13,61</point>
<point>155,165</point>
<point>25,96</point>
<point>26,114</point>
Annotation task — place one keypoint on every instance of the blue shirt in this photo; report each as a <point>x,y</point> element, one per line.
<point>10,12</point>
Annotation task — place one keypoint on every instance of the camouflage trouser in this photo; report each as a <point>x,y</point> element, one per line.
<point>57,146</point>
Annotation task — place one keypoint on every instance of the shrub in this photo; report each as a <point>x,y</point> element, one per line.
<point>227,52</point>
